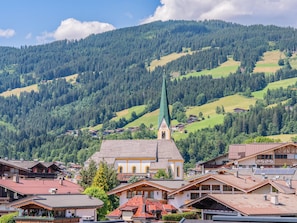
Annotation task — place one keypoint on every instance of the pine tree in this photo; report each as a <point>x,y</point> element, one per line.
<point>87,174</point>
<point>100,179</point>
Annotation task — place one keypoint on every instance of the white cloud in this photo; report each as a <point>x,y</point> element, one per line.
<point>7,33</point>
<point>73,29</point>
<point>278,12</point>
<point>45,38</point>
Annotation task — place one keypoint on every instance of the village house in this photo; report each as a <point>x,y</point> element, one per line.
<point>64,208</point>
<point>263,207</point>
<point>28,169</point>
<point>141,209</point>
<point>262,155</point>
<point>18,188</point>
<point>254,155</point>
<point>148,188</point>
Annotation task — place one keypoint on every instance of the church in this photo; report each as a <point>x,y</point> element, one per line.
<point>143,158</point>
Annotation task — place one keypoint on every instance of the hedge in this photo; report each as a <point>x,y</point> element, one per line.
<point>180,216</point>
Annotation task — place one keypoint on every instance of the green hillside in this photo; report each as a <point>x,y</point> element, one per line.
<point>230,66</point>
<point>45,112</point>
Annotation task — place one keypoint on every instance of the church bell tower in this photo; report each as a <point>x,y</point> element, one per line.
<point>164,128</point>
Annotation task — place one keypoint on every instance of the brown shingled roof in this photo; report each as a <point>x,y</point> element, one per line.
<point>237,151</point>
<point>254,204</point>
<point>150,149</point>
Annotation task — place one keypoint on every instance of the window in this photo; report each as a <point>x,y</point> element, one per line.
<point>177,172</point>
<point>194,195</point>
<point>227,188</point>
<point>264,157</point>
<point>147,169</point>
<point>163,135</point>
<point>133,169</point>
<point>280,156</point>
<point>205,187</point>
<point>120,169</point>
<point>216,187</point>
<point>151,194</point>
<point>130,194</point>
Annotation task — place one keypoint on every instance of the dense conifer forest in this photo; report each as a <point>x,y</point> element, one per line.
<point>113,75</point>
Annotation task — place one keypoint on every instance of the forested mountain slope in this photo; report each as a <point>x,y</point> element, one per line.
<point>113,75</point>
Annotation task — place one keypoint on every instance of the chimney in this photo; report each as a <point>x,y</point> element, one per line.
<point>61,181</point>
<point>143,208</point>
<point>16,178</point>
<point>274,199</point>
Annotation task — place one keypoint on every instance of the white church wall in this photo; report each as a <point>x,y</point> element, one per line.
<point>127,165</point>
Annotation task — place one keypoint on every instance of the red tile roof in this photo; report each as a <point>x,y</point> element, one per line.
<point>145,208</point>
<point>42,186</point>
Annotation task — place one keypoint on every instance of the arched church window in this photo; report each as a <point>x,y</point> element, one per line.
<point>163,134</point>
<point>177,171</point>
<point>120,169</point>
<point>133,169</point>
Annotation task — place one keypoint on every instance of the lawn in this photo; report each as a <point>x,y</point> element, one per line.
<point>283,137</point>
<point>147,119</point>
<point>269,62</point>
<point>278,84</point>
<point>293,61</point>
<point>128,112</point>
<point>230,66</point>
<point>34,87</point>
<point>17,91</point>
<point>229,103</point>
<point>166,59</point>
<point>211,118</point>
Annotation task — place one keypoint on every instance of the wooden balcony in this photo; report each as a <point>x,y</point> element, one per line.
<point>37,219</point>
<point>265,162</point>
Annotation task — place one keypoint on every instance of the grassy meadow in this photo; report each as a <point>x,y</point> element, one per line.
<point>278,84</point>
<point>127,113</point>
<point>34,87</point>
<point>269,63</point>
<point>230,66</point>
<point>166,59</point>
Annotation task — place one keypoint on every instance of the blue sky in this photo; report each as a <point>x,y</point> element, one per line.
<point>31,22</point>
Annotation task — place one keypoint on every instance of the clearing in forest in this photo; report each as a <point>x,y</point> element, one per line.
<point>166,59</point>
<point>275,85</point>
<point>269,62</point>
<point>33,87</point>
<point>230,66</point>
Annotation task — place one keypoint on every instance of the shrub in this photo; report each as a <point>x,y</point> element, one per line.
<point>179,216</point>
<point>8,218</point>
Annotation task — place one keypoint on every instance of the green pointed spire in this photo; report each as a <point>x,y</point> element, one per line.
<point>164,109</point>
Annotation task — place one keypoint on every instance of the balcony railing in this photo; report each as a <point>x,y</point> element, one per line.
<point>46,219</point>
<point>265,162</point>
